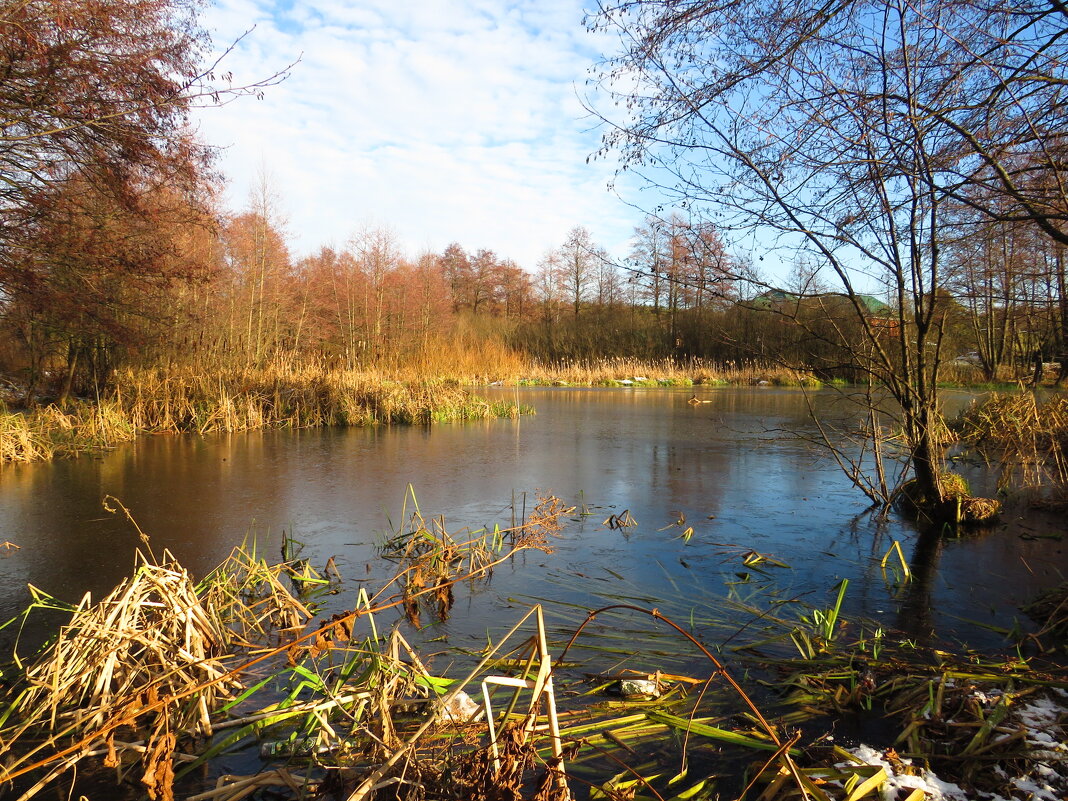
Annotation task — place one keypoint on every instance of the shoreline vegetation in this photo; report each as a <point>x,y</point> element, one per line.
<point>167,673</point>
<point>186,400</point>
<point>162,402</point>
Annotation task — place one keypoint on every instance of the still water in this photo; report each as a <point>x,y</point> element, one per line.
<point>737,470</point>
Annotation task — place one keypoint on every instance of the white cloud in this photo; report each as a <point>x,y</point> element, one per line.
<point>446,120</point>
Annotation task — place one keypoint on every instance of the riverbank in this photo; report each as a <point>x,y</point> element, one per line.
<point>184,400</point>
<point>158,401</point>
<point>668,373</point>
<point>663,373</point>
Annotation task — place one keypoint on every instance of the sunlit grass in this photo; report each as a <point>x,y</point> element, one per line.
<point>180,400</point>
<point>665,373</point>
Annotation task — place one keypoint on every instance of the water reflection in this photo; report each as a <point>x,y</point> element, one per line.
<point>727,466</point>
<point>915,617</point>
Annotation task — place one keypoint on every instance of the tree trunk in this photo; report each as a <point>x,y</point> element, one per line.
<point>68,378</point>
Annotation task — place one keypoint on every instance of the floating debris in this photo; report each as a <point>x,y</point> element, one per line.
<point>622,520</point>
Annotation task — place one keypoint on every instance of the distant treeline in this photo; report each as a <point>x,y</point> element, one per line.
<point>231,296</point>
<point>115,252</point>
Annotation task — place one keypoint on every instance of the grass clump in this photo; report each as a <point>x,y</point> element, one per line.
<point>132,674</point>
<point>956,507</point>
<point>48,431</point>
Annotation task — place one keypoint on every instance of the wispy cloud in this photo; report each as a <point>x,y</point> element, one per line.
<point>445,120</point>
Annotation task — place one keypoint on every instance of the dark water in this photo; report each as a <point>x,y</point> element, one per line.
<point>730,467</point>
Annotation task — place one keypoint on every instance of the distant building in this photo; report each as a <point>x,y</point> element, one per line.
<point>780,300</point>
<point>879,315</point>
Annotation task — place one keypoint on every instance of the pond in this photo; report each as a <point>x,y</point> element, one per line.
<point>736,470</point>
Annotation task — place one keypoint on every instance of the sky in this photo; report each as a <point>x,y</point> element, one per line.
<point>443,120</point>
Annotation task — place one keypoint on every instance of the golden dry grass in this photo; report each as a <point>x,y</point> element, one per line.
<point>665,372</point>
<point>181,400</point>
<point>131,674</point>
<point>1029,437</point>
<point>141,681</point>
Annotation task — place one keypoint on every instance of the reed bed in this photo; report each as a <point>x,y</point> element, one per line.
<point>165,673</point>
<point>159,401</point>
<point>181,401</point>
<point>1029,437</point>
<point>466,357</point>
<point>665,373</point>
<point>46,432</point>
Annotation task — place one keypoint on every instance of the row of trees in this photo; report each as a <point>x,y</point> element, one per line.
<point>113,249</point>
<point>180,283</point>
<point>105,192</point>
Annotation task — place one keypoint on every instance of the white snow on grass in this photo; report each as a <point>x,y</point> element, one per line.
<point>1047,756</point>
<point>899,785</point>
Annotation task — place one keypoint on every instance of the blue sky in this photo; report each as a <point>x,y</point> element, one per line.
<point>445,120</point>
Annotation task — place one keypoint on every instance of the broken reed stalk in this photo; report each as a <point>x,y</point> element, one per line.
<point>372,781</point>
<point>720,668</point>
<point>159,693</point>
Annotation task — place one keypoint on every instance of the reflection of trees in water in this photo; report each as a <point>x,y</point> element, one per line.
<point>915,615</point>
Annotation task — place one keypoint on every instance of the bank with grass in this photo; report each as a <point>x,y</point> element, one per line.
<point>185,400</point>
<point>176,401</point>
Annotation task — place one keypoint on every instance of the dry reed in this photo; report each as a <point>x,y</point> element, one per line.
<point>140,669</point>
<point>1028,437</point>
<point>151,672</point>
<point>665,373</point>
<point>177,400</point>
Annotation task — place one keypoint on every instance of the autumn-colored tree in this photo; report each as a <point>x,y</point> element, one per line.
<point>456,267</point>
<point>376,255</point>
<point>101,280</point>
<point>513,290</point>
<point>96,92</point>
<point>94,100</point>
<point>259,267</point>
<point>428,292</point>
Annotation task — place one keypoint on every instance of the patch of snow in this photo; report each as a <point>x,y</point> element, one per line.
<point>461,708</point>
<point>934,788</point>
<point>1035,791</point>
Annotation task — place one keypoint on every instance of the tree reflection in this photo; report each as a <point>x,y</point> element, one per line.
<point>916,615</point>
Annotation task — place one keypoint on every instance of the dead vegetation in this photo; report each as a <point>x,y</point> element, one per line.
<point>957,507</point>
<point>983,725</point>
<point>185,401</point>
<point>1029,438</point>
<point>135,672</point>
<point>165,673</point>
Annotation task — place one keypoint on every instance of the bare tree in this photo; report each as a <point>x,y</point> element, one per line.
<point>578,258</point>
<point>824,132</point>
